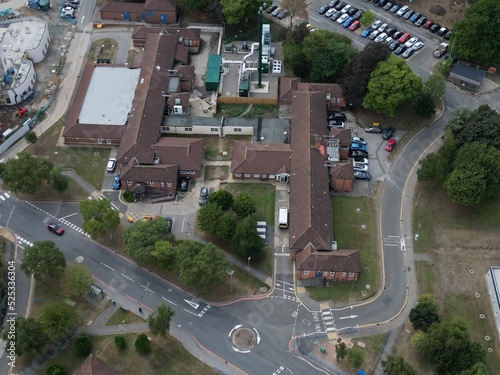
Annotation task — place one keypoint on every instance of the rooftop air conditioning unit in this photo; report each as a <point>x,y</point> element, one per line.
<point>177,110</point>
<point>177,101</point>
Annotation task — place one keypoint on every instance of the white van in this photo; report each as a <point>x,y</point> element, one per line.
<point>283,218</point>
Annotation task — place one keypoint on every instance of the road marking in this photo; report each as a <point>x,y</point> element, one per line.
<point>330,329</point>
<point>169,301</point>
<point>146,288</point>
<point>194,305</point>
<point>7,195</point>
<point>2,197</point>
<point>64,217</point>
<point>348,317</point>
<point>281,254</point>
<point>125,276</point>
<point>183,222</point>
<point>79,259</point>
<point>105,265</point>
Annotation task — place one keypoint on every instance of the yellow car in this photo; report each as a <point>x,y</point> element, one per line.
<point>309,26</point>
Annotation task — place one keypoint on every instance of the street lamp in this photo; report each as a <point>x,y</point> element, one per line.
<point>230,273</point>
<point>259,66</point>
<point>249,263</point>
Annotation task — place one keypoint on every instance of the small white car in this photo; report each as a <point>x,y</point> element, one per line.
<point>110,167</point>
<point>360,167</point>
<point>375,25</point>
<point>342,18</point>
<point>418,45</point>
<point>358,140</point>
<point>346,8</point>
<point>380,37</point>
<point>411,42</point>
<point>402,10</point>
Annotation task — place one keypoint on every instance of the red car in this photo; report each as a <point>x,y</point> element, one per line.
<point>428,24</point>
<point>55,228</point>
<point>390,145</point>
<point>404,38</point>
<point>355,25</point>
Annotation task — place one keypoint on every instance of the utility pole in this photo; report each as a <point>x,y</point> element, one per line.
<point>260,48</point>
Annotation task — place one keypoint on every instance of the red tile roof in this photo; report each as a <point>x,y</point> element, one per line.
<point>139,173</point>
<point>94,366</point>
<point>343,135</point>
<point>187,153</point>
<point>257,158</point>
<point>119,7</point>
<point>165,5</point>
<point>333,90</point>
<point>331,261</point>
<point>343,171</point>
<point>287,84</point>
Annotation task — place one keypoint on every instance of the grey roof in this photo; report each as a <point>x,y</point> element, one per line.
<point>468,72</point>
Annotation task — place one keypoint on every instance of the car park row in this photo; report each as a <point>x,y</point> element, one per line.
<point>69,8</point>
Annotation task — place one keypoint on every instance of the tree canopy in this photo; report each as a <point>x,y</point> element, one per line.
<point>436,167</point>
<point>473,37</point>
<point>356,75</point>
<point>246,242</point>
<point>425,313</point>
<point>476,369</point>
<point>30,337</point>
<point>223,198</point>
<point>76,281</point>
<point>435,85</point>
<point>209,216</point>
<point>244,205</point>
<point>367,18</point>
<point>43,258</point>
<point>159,320</point>
<point>57,319</point>
<point>164,254</point>
<point>201,266</point>
<point>25,174</point>
<point>424,104</point>
<point>236,11</point>
<point>448,347</point>
<point>296,8</point>
<point>396,365</point>
<point>142,236</point>
<point>99,217</point>
<point>391,84</point>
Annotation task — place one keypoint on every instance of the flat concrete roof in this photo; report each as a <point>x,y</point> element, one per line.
<point>108,99</point>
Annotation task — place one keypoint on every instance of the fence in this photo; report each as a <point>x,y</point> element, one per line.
<point>244,100</point>
<point>15,137</point>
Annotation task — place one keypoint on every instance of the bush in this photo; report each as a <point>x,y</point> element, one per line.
<point>55,370</point>
<point>142,344</point>
<point>128,196</point>
<point>83,345</point>
<point>120,342</point>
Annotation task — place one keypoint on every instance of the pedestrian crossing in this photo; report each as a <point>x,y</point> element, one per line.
<point>328,321</point>
<point>22,242</point>
<point>4,196</point>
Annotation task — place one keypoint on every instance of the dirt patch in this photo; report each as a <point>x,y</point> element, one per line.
<point>216,173</point>
<point>446,14</point>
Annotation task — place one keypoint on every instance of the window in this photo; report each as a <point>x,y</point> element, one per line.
<point>108,141</point>
<point>188,129</point>
<point>99,140</point>
<point>343,274</point>
<point>306,273</point>
<point>272,177</point>
<point>256,175</point>
<point>351,274</point>
<point>213,129</point>
<point>325,273</point>
<point>237,175</point>
<point>237,129</point>
<point>247,175</point>
<point>162,184</point>
<point>332,274</point>
<point>165,128</point>
<point>129,183</point>
<point>264,176</point>
<point>169,184</point>
<point>151,183</point>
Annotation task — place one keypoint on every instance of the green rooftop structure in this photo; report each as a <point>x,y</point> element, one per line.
<point>213,72</point>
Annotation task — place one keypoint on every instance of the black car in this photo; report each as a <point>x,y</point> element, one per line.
<point>382,3</point>
<point>442,31</point>
<point>395,7</point>
<point>394,46</point>
<point>358,175</point>
<point>447,36</point>
<point>374,129</point>
<point>333,3</point>
<point>358,15</point>
<point>323,9</point>
<point>435,28</point>
<point>352,11</point>
<point>271,9</point>
<point>397,35</point>
<point>388,133</point>
<point>170,223</point>
<point>337,116</point>
<point>70,5</point>
<point>362,154</point>
<point>184,183</point>
<point>400,50</point>
<point>340,5</point>
<point>390,31</point>
<point>388,6</point>
<point>420,21</point>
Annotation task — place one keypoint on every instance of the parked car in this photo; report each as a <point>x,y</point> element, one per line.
<point>408,14</point>
<point>359,159</point>
<point>362,175</point>
<point>335,16</point>
<point>388,133</point>
<point>382,27</point>
<point>333,3</point>
<point>442,31</point>
<point>390,145</point>
<point>359,140</point>
<point>428,24</point>
<point>422,20</point>
<point>337,116</point>
<point>394,45</point>
<point>348,22</point>
<point>276,12</point>
<point>272,8</point>
<point>324,9</point>
<point>282,15</point>
<point>358,14</point>
<point>184,183</point>
<point>329,12</point>
<point>342,18</point>
<point>447,35</point>
<point>408,53</point>
<point>338,124</point>
<point>357,147</point>
<point>395,8</point>
<point>355,25</point>
<point>355,153</point>
<point>55,228</point>
<point>388,6</point>
<point>203,199</point>
<point>418,46</point>
<point>116,183</point>
<point>390,30</point>
<point>415,17</point>
<point>435,28</point>
<point>366,32</point>
<point>404,38</point>
<point>375,25</point>
<point>388,40</point>
<point>373,35</point>
<point>402,10</point>
<point>374,129</point>
<point>397,35</point>
<point>361,167</point>
<point>170,223</point>
<point>110,167</point>
<point>346,8</point>
<point>411,41</point>
<point>400,50</point>
<point>382,3</point>
<point>340,5</point>
<point>381,37</point>
<point>70,5</point>
<point>352,11</point>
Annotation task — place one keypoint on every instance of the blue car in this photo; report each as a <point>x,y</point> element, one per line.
<point>348,22</point>
<point>366,33</point>
<point>415,17</point>
<point>116,183</point>
<point>357,147</point>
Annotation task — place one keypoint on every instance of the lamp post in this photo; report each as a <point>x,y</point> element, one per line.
<point>249,264</point>
<point>260,48</point>
<point>230,273</point>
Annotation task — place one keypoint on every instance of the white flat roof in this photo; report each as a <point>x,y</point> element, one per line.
<point>108,99</point>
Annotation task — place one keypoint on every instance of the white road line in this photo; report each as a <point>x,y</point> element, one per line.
<point>183,221</point>
<point>169,301</point>
<point>105,265</point>
<point>125,276</point>
<point>64,217</point>
<point>22,247</point>
<point>7,195</point>
<point>2,197</point>
<point>330,329</point>
<point>192,313</point>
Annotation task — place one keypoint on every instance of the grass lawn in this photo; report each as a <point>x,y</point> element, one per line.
<point>123,317</point>
<point>73,193</point>
<point>88,162</point>
<point>167,356</point>
<point>215,146</point>
<point>108,49</point>
<point>216,173</point>
<point>348,233</point>
<point>264,195</point>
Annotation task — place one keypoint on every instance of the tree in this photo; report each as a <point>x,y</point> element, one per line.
<point>328,65</point>
<point>341,351</point>
<point>356,75</point>
<point>208,217</point>
<point>31,136</point>
<point>43,258</point>
<point>449,348</point>
<point>244,205</point>
<point>432,168</point>
<point>164,254</point>
<point>473,34</point>
<point>55,369</point>
<point>425,313</point>
<point>391,84</point>
<point>76,281</point>
<point>299,32</point>
<point>476,369</point>
<point>83,345</point>
<point>226,226</point>
<point>223,198</point>
<point>120,342</point>
<point>30,337</point>
<point>355,356</point>
<point>367,18</point>
<point>99,217</point>
<point>141,237</point>
<point>296,8</point>
<point>235,11</point>
<point>424,104</point>
<point>466,187</point>
<point>246,241</point>
<point>25,174</point>
<point>142,344</point>
<point>201,266</point>
<point>58,181</point>
<point>435,85</point>
<point>396,365</point>
<point>57,319</point>
<point>190,6</point>
<point>159,320</point>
